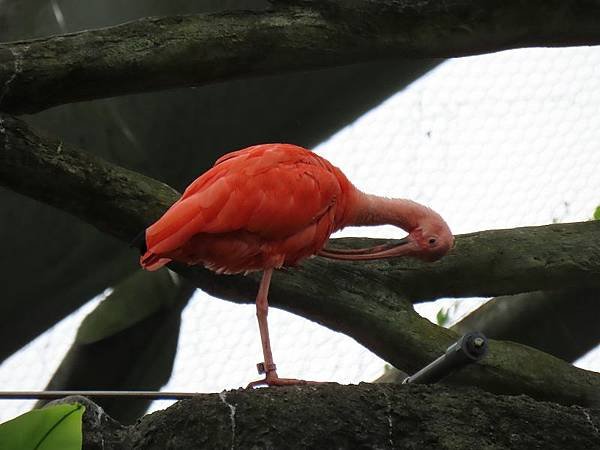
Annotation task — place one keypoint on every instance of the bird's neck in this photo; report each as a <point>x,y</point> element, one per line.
<point>367,209</point>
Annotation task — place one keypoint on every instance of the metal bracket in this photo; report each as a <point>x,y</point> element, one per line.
<point>470,348</point>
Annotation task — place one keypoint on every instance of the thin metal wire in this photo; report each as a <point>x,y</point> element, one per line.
<point>155,395</point>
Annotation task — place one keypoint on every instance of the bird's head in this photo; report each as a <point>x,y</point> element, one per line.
<point>431,240</point>
<point>428,241</point>
<point>429,236</point>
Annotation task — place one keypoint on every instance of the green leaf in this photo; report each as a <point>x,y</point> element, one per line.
<point>52,428</point>
<point>442,317</point>
<point>597,213</point>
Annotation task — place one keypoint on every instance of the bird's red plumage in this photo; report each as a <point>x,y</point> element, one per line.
<point>272,205</point>
<point>258,208</point>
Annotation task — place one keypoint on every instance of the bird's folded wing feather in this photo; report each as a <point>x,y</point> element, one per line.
<point>271,200</point>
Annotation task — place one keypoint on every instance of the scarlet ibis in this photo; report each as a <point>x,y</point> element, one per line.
<point>273,205</point>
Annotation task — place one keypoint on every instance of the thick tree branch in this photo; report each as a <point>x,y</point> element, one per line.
<point>88,187</point>
<point>121,203</point>
<point>373,307</point>
<point>365,416</point>
<point>562,322</point>
<point>160,53</point>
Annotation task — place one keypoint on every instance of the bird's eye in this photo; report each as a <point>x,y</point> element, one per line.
<point>432,241</point>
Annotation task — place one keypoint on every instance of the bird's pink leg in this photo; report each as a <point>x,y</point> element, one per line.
<point>268,366</point>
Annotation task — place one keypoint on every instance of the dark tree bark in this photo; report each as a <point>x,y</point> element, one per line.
<point>160,53</point>
<point>562,322</point>
<point>374,309</point>
<point>370,416</point>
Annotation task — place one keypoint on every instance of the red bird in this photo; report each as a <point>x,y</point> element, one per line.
<point>273,205</point>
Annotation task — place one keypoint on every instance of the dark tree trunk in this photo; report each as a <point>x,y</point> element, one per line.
<point>368,416</point>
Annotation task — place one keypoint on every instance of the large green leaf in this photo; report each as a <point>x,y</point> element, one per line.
<point>53,428</point>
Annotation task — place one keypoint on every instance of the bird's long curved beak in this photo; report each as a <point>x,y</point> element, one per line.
<point>399,248</point>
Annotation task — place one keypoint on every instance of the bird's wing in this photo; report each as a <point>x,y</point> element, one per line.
<point>269,198</point>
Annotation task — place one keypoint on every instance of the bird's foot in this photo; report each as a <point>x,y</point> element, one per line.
<point>272,379</point>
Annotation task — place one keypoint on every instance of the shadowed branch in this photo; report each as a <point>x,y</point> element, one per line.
<point>160,53</point>
<point>561,322</point>
<point>129,341</point>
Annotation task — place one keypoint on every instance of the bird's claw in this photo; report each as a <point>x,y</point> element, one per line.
<point>271,378</point>
<point>276,381</point>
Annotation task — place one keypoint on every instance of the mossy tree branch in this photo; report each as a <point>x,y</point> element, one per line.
<point>364,416</point>
<point>375,307</point>
<point>160,53</point>
<point>560,322</point>
<point>121,203</point>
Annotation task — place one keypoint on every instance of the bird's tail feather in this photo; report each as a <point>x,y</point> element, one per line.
<point>152,262</point>
<point>148,260</point>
